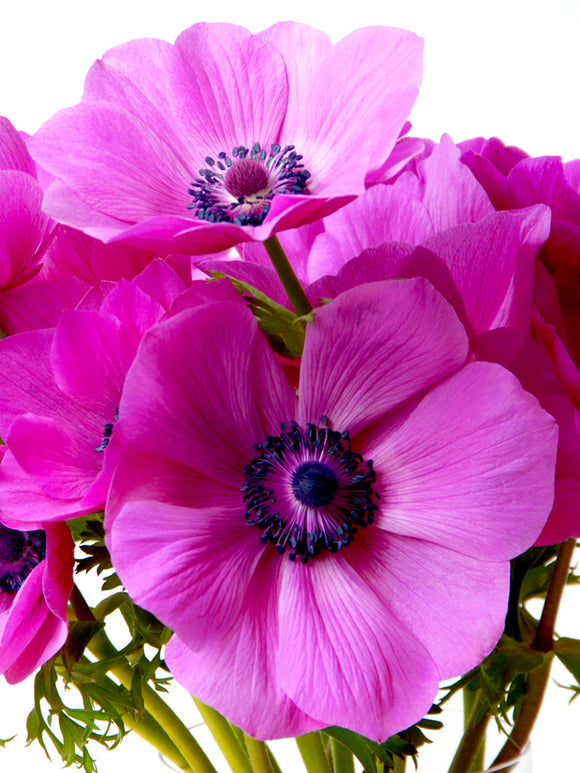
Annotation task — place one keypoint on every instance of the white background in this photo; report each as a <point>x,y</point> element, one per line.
<point>504,68</point>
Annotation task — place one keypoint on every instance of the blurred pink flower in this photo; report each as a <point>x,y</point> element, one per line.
<point>347,547</point>
<point>226,136</point>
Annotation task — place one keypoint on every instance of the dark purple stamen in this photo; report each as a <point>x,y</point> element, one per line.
<point>20,552</point>
<point>239,189</point>
<point>308,491</point>
<point>107,434</point>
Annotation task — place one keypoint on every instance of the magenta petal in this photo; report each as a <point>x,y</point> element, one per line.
<point>238,675</point>
<point>383,213</point>
<point>207,362</point>
<point>87,343</point>
<point>358,92</point>
<point>60,458</point>
<point>57,580</point>
<point>25,502</point>
<point>478,451</point>
<point>23,227</point>
<point>492,263</point>
<point>13,151</point>
<point>340,649</point>
<point>447,188</point>
<point>230,90</point>
<point>40,304</point>
<point>35,626</point>
<point>405,329</point>
<point>115,163</point>
<point>420,582</point>
<point>178,562</point>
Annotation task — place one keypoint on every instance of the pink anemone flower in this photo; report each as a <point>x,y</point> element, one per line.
<point>36,569</point>
<point>326,557</point>
<point>226,136</point>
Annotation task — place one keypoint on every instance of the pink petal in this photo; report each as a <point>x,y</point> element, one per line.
<point>492,264</point>
<point>13,151</point>
<point>340,649</point>
<point>447,188</point>
<point>23,227</point>
<point>116,163</point>
<point>241,670</point>
<point>420,582</point>
<point>383,213</point>
<point>374,347</point>
<point>206,362</point>
<point>179,563</point>
<point>348,102</point>
<point>471,466</point>
<point>230,90</point>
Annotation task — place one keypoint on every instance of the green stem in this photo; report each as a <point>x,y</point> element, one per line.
<point>273,761</point>
<point>220,728</point>
<point>472,739</point>
<point>289,280</point>
<point>342,759</point>
<point>470,703</point>
<point>258,753</point>
<point>312,751</point>
<point>102,649</point>
<point>537,680</point>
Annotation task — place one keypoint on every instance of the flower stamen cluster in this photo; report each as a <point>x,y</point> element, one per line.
<point>308,491</point>
<point>239,188</point>
<point>20,552</point>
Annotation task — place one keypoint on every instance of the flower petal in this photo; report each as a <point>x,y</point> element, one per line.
<point>237,675</point>
<point>374,347</point>
<point>340,649</point>
<point>472,465</point>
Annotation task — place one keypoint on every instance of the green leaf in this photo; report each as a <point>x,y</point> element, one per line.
<point>284,329</point>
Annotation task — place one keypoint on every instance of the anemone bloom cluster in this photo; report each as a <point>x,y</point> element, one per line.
<point>321,508</point>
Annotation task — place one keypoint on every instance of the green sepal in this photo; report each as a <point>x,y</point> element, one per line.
<point>377,757</point>
<point>284,329</point>
<point>568,653</point>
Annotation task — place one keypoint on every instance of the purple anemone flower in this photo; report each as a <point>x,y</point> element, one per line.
<point>36,569</point>
<point>226,136</point>
<point>326,557</point>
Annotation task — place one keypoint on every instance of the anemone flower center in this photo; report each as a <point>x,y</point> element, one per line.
<point>20,552</point>
<point>246,178</point>
<point>314,484</point>
<point>239,188</point>
<point>308,491</point>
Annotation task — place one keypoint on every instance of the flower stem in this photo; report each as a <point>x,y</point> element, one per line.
<point>313,754</point>
<point>472,739</point>
<point>543,642</point>
<point>258,753</point>
<point>469,704</point>
<point>342,759</point>
<point>219,727</point>
<point>292,286</point>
